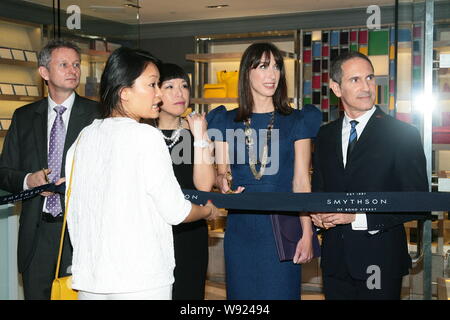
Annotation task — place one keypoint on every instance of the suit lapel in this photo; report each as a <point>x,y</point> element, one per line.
<point>368,136</point>
<point>338,143</point>
<point>40,132</point>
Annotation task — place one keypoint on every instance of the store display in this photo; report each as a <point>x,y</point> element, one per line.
<point>307,40</point>
<point>4,124</point>
<point>18,54</point>
<point>32,91</point>
<point>230,79</point>
<point>317,49</point>
<point>5,53</point>
<point>19,90</point>
<point>377,44</point>
<point>6,88</point>
<point>316,66</point>
<point>344,38</point>
<point>307,56</point>
<point>307,88</point>
<point>335,38</point>
<point>214,90</point>
<point>31,56</point>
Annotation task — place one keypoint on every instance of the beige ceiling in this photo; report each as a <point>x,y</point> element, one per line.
<point>160,11</point>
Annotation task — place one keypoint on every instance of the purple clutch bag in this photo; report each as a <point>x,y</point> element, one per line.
<point>288,231</point>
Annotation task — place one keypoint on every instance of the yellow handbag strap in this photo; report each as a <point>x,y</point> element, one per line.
<point>69,191</point>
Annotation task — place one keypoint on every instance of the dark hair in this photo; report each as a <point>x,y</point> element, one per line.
<point>250,60</point>
<point>45,55</point>
<point>336,64</point>
<point>171,71</point>
<point>123,67</point>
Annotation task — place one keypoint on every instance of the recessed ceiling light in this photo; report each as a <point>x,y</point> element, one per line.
<point>219,6</point>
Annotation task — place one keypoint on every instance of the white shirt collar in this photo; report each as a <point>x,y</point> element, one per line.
<point>362,120</point>
<point>68,103</point>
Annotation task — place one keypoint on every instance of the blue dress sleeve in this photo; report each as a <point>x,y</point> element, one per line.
<point>308,124</point>
<point>217,119</point>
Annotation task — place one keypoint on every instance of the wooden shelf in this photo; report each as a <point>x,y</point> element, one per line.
<point>95,55</point>
<point>18,63</point>
<point>12,97</point>
<point>224,57</point>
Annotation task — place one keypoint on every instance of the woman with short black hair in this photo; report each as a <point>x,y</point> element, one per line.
<point>193,164</point>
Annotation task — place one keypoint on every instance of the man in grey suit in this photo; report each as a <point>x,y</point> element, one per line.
<point>34,151</point>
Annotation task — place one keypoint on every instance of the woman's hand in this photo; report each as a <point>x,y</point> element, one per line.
<point>222,183</point>
<point>215,212</point>
<point>198,126</point>
<point>304,251</point>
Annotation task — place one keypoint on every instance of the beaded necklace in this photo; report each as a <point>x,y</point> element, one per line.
<point>250,143</point>
<point>175,135</point>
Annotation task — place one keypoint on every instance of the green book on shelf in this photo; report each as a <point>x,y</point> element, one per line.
<point>307,100</point>
<point>378,42</point>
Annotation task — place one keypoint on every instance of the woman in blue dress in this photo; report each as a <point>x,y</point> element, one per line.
<point>266,147</point>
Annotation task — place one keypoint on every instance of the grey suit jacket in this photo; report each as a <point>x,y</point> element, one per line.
<point>25,151</point>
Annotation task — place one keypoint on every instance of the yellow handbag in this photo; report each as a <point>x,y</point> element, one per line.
<point>62,286</point>
<point>214,90</point>
<point>230,79</point>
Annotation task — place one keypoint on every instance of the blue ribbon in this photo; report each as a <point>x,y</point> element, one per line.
<point>372,202</point>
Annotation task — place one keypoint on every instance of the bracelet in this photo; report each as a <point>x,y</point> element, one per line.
<point>201,143</point>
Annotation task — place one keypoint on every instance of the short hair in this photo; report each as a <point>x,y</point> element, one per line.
<point>171,71</point>
<point>336,64</point>
<point>250,60</point>
<point>45,55</point>
<point>122,68</point>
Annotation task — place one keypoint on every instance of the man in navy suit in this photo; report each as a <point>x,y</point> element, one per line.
<point>28,156</point>
<point>365,255</point>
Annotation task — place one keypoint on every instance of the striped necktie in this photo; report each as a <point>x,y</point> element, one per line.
<point>352,139</point>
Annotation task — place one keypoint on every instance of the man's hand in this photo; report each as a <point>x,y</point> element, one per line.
<point>339,218</point>
<point>39,178</point>
<point>317,219</point>
<point>61,180</point>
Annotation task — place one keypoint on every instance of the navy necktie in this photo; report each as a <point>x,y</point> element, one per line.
<point>352,138</point>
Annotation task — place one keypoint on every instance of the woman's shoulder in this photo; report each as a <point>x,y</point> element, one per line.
<point>307,120</point>
<point>308,111</point>
<point>220,115</point>
<point>148,130</point>
<point>141,131</point>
